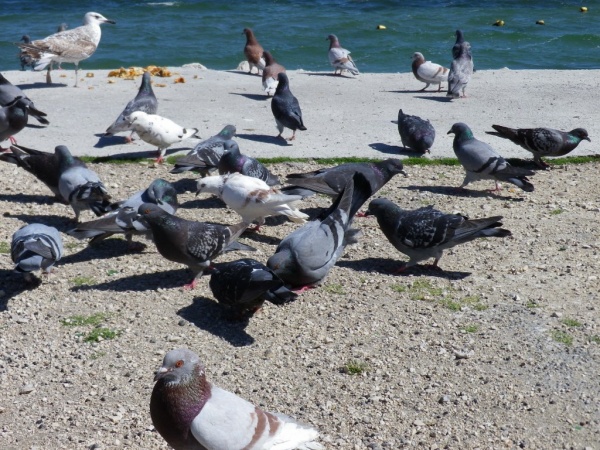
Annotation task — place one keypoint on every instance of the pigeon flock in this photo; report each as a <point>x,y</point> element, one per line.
<point>188,411</point>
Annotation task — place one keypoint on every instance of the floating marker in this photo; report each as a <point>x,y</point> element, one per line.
<point>583,9</point>
<point>541,22</point>
<point>498,23</point>
<point>381,27</point>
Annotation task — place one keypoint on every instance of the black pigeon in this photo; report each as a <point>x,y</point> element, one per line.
<point>416,133</point>
<point>233,161</point>
<point>426,232</point>
<point>13,118</point>
<point>286,109</point>
<point>8,92</point>
<point>543,141</point>
<point>245,284</point>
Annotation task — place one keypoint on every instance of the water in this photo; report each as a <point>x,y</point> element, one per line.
<point>210,32</point>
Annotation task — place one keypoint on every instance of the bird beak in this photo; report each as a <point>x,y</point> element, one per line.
<point>110,21</point>
<point>588,139</point>
<point>160,373</point>
<point>403,172</point>
<point>450,132</point>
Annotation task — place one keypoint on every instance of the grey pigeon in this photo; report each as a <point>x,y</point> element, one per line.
<point>205,156</point>
<point>428,72</point>
<point>416,133</point>
<point>305,256</point>
<point>191,413</point>
<point>244,285</point>
<point>79,185</point>
<point>188,242</point>
<point>253,51</point>
<point>13,118</point>
<point>426,232</point>
<point>124,218</point>
<point>233,161</point>
<point>36,247</point>
<point>482,162</point>
<point>339,57</point>
<point>145,101</point>
<point>9,92</point>
<point>24,58</point>
<point>42,165</point>
<point>270,73</point>
<point>286,109</point>
<point>543,141</point>
<point>461,68</point>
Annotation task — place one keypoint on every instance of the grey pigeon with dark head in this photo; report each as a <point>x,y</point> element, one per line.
<point>244,285</point>
<point>34,247</point>
<point>234,161</point>
<point>426,232</point>
<point>205,156</point>
<point>9,92</point>
<point>461,68</point>
<point>191,413</point>
<point>482,162</point>
<point>13,118</point>
<point>188,242</point>
<point>145,101</point>
<point>286,108</point>
<point>416,133</point>
<point>543,141</point>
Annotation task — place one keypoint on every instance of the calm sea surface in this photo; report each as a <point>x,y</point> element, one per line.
<point>210,32</point>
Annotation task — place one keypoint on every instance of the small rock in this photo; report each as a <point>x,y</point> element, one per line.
<point>27,389</point>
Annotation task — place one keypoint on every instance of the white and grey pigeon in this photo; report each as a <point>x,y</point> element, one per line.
<point>428,72</point>
<point>205,156</point>
<point>270,73</point>
<point>79,185</point>
<point>34,247</point>
<point>251,198</point>
<point>426,232</point>
<point>234,161</point>
<point>339,57</point>
<point>244,285</point>
<point>145,101</point>
<point>543,141</point>
<point>188,242</point>
<point>461,68</point>
<point>286,108</point>
<point>70,46</point>
<point>124,217</point>
<point>190,412</point>
<point>9,92</point>
<point>416,134</point>
<point>13,118</point>
<point>304,257</point>
<point>159,131</point>
<point>482,162</point>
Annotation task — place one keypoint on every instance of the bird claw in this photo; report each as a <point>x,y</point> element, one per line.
<point>190,286</point>
<point>303,289</point>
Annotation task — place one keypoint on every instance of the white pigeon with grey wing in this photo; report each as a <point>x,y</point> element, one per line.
<point>428,72</point>
<point>339,57</point>
<point>34,247</point>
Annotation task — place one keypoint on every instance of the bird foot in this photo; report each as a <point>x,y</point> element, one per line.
<point>291,138</point>
<point>360,214</point>
<point>12,140</point>
<point>136,247</point>
<point>190,286</point>
<point>159,160</point>
<point>303,289</point>
<point>400,269</point>
<point>128,140</point>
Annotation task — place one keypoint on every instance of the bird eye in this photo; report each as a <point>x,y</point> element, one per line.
<point>179,363</point>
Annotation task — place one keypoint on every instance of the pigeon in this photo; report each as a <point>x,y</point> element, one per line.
<point>191,413</point>
<point>461,68</point>
<point>191,243</point>
<point>339,57</point>
<point>270,72</point>
<point>9,92</point>
<point>304,257</point>
<point>253,51</point>
<point>415,133</point>
<point>205,156</point>
<point>426,232</point>
<point>80,186</point>
<point>251,198</point>
<point>24,58</point>
<point>543,141</point>
<point>43,165</point>
<point>245,284</point>
<point>482,162</point>
<point>145,101</point>
<point>62,27</point>
<point>36,246</point>
<point>13,118</point>
<point>71,46</point>
<point>428,72</point>
<point>124,216</point>
<point>233,161</point>
<point>159,131</point>
<point>286,109</point>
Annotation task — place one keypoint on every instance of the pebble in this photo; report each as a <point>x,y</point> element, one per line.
<point>27,389</point>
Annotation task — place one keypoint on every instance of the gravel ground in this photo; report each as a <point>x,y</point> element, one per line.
<point>501,349</point>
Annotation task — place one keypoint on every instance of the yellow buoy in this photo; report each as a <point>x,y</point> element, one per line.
<point>583,9</point>
<point>381,27</point>
<point>498,23</point>
<point>541,22</point>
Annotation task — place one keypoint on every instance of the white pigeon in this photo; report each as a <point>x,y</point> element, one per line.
<point>70,46</point>
<point>339,57</point>
<point>428,72</point>
<point>159,131</point>
<point>251,198</point>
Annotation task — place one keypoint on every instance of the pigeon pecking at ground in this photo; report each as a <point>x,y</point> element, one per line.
<point>253,51</point>
<point>244,285</point>
<point>286,108</point>
<point>233,161</point>
<point>428,72</point>
<point>461,68</point>
<point>543,141</point>
<point>426,232</point>
<point>9,92</point>
<point>189,412</point>
<point>13,118</point>
<point>482,162</point>
<point>251,198</point>
<point>270,73</point>
<point>416,134</point>
<point>34,247</point>
<point>339,57</point>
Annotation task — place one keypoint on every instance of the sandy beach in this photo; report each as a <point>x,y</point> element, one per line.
<point>345,116</point>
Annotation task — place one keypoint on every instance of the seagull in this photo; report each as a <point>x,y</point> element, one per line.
<point>71,46</point>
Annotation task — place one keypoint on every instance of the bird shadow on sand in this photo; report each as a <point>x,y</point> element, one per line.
<point>35,125</point>
<point>106,141</point>
<point>204,203</point>
<point>251,96</point>
<point>150,281</point>
<point>264,138</point>
<point>243,72</point>
<point>14,284</point>
<point>27,199</point>
<point>41,85</point>
<point>390,266</point>
<point>207,315</point>
<point>435,99</point>
<point>458,192</point>
<point>329,74</point>
<point>394,149</point>
<point>261,236</point>
<point>61,223</point>
<point>185,185</point>
<point>148,154</point>
<point>105,249</point>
